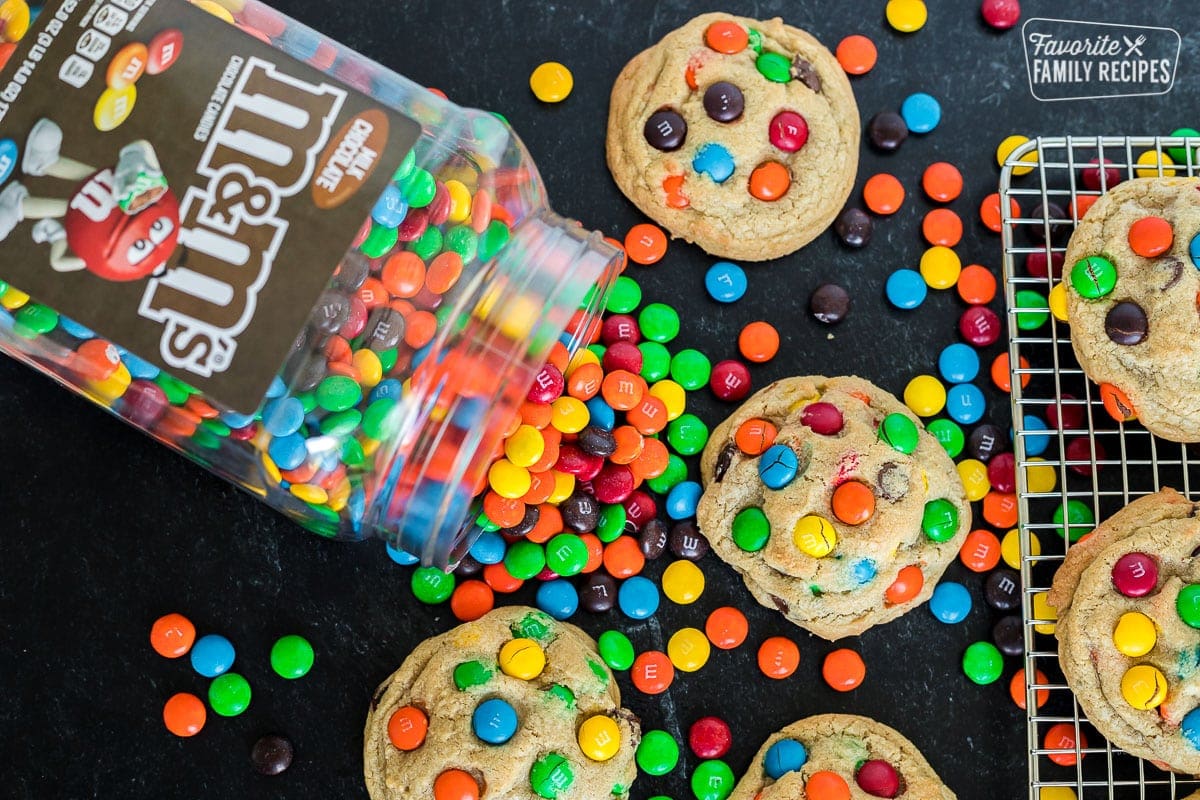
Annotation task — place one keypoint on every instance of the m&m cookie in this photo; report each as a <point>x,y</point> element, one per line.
<point>833,502</point>
<point>735,134</point>
<point>1132,275</point>
<point>514,705</point>
<point>839,756</point>
<point>1127,599</point>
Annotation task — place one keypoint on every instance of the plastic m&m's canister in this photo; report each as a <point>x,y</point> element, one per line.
<point>414,348</point>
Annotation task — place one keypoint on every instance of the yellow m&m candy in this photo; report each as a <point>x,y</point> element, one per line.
<point>1058,302</point>
<point>1144,687</point>
<point>815,536</point>
<point>551,82</point>
<point>1135,634</point>
<point>688,649</point>
<point>925,395</point>
<point>683,582</point>
<point>522,658</point>
<point>525,447</point>
<point>1043,610</point>
<point>599,738</point>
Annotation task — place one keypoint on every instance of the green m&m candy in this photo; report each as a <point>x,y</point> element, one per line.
<point>432,586</point>
<point>338,393</point>
<point>774,67</point>
<point>712,780</point>
<point>1093,277</point>
<point>550,775</point>
<point>612,522</point>
<point>675,473</point>
<point>524,559</point>
<point>1188,605</point>
<point>691,369</point>
<point>380,240</point>
<point>292,657</point>
<point>624,296</point>
<point>982,663</point>
<point>494,239</point>
<point>470,674</point>
<point>1180,154</point>
<point>899,432</point>
<point>616,650</point>
<point>35,320</point>
<point>659,322</point>
<point>940,520</point>
<point>229,694</point>
<point>658,753</point>
<point>949,434</point>
<point>751,529</point>
<point>1031,320</point>
<point>1077,520</point>
<point>566,554</point>
<point>656,361</point>
<point>429,244</point>
<point>687,434</point>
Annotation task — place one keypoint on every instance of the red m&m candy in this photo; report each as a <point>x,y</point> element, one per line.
<point>164,51</point>
<point>710,737</point>
<point>1135,575</point>
<point>730,380</point>
<point>878,779</point>
<point>823,418</point>
<point>788,131</point>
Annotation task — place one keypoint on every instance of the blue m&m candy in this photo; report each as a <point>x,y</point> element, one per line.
<point>906,289</point>
<point>494,721</point>
<point>1035,443</point>
<point>725,282</point>
<point>638,598</point>
<point>786,755</point>
<point>714,161</point>
<point>558,599</point>
<point>488,548</point>
<point>682,500</point>
<point>288,452</point>
<point>965,403</point>
<point>922,112</point>
<point>390,209</point>
<point>959,363</point>
<point>1194,250</point>
<point>777,466</point>
<point>212,655</point>
<point>401,557</point>
<point>1190,728</point>
<point>951,602</point>
<point>283,417</point>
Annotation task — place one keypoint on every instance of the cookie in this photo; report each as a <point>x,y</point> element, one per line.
<point>738,135</point>
<point>833,502</point>
<point>871,759</point>
<point>515,702</point>
<point>1134,275</point>
<point>1128,604</point>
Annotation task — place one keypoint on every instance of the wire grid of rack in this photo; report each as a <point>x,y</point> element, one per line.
<point>1108,464</point>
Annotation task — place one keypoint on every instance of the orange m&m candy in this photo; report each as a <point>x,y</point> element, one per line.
<point>942,181</point>
<point>407,728</point>
<point>883,193</point>
<point>1016,688</point>
<point>976,285</point>
<point>778,657</point>
<point>1117,403</point>
<point>652,672</point>
<point>980,551</point>
<point>1000,509</point>
<point>726,37</point>
<point>755,436</point>
<point>1150,236</point>
<point>943,227</point>
<point>856,54</point>
<point>908,584</point>
<point>989,212</point>
<point>726,628</point>
<point>184,714</point>
<point>759,342</point>
<point>172,635</point>
<point>1060,740</point>
<point>853,502</point>
<point>471,600</point>
<point>843,670</point>
<point>826,786</point>
<point>455,784</point>
<point>645,243</point>
<point>770,180</point>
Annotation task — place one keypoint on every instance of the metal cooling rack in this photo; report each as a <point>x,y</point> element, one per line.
<point>1123,461</point>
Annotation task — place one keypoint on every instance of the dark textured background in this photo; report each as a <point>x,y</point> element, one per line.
<point>104,530</point>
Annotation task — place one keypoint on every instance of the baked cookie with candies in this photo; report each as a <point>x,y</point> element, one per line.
<point>738,135</point>
<point>833,502</point>
<point>514,705</point>
<point>839,755</point>
<point>1128,603</point>
<point>1133,280</point>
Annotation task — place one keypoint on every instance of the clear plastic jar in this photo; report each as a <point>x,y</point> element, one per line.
<point>399,391</point>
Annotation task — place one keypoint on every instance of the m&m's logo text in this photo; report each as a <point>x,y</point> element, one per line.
<point>261,150</point>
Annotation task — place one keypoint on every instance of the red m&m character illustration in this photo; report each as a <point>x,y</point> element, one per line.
<point>121,223</point>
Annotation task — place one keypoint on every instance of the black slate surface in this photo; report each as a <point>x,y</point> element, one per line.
<point>103,530</point>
